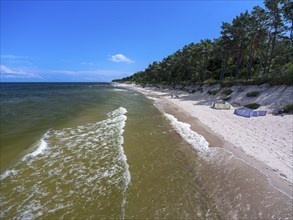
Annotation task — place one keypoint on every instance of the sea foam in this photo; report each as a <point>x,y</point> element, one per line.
<point>8,173</point>
<point>40,149</point>
<point>193,138</point>
<point>88,159</point>
<point>42,146</point>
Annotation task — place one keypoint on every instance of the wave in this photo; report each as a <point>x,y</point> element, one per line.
<point>120,90</point>
<point>41,148</point>
<point>72,167</point>
<point>193,138</point>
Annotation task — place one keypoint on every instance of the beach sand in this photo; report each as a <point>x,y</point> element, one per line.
<point>265,143</point>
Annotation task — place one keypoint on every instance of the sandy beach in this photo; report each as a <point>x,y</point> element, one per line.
<point>265,143</point>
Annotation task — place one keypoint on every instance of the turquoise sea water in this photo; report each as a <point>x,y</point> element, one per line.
<point>94,151</point>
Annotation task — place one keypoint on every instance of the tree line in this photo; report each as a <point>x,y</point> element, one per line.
<point>255,45</point>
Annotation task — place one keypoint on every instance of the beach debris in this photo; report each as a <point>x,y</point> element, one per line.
<point>174,96</point>
<point>277,111</point>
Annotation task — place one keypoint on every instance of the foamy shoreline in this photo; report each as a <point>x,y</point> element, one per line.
<point>263,142</point>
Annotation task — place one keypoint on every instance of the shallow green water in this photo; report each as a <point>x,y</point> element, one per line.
<point>100,152</point>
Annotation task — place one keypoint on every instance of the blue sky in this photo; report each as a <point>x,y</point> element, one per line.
<point>82,41</point>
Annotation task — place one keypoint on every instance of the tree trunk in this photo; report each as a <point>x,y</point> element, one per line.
<point>272,50</point>
<point>202,73</point>
<point>250,62</point>
<point>223,69</point>
<point>291,34</point>
<point>237,67</point>
<point>267,55</point>
<point>239,59</point>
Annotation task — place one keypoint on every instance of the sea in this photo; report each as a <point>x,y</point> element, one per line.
<point>98,151</point>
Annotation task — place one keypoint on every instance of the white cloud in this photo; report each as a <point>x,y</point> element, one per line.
<point>88,72</point>
<point>87,75</point>
<point>120,58</point>
<point>9,59</point>
<point>5,70</point>
<point>13,73</point>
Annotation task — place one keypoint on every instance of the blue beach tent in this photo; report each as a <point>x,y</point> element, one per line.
<point>245,112</point>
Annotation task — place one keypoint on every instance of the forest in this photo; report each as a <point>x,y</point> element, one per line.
<point>254,47</point>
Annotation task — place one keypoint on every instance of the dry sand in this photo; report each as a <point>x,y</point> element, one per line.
<point>265,143</point>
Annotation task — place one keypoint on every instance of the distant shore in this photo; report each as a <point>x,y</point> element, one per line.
<point>265,143</point>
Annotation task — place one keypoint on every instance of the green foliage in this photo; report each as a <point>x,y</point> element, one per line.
<point>213,92</point>
<point>283,80</point>
<point>253,49</point>
<point>210,81</point>
<point>227,83</point>
<point>288,108</point>
<point>252,94</point>
<point>257,81</point>
<point>252,105</point>
<point>227,99</point>
<point>286,78</point>
<point>227,91</point>
<point>288,69</point>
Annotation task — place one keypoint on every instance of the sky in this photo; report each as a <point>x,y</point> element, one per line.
<point>98,41</point>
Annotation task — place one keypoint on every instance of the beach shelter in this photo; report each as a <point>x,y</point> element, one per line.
<point>221,105</point>
<point>245,112</point>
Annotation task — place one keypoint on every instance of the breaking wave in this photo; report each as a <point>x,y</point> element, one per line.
<point>72,170</point>
<point>194,139</point>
